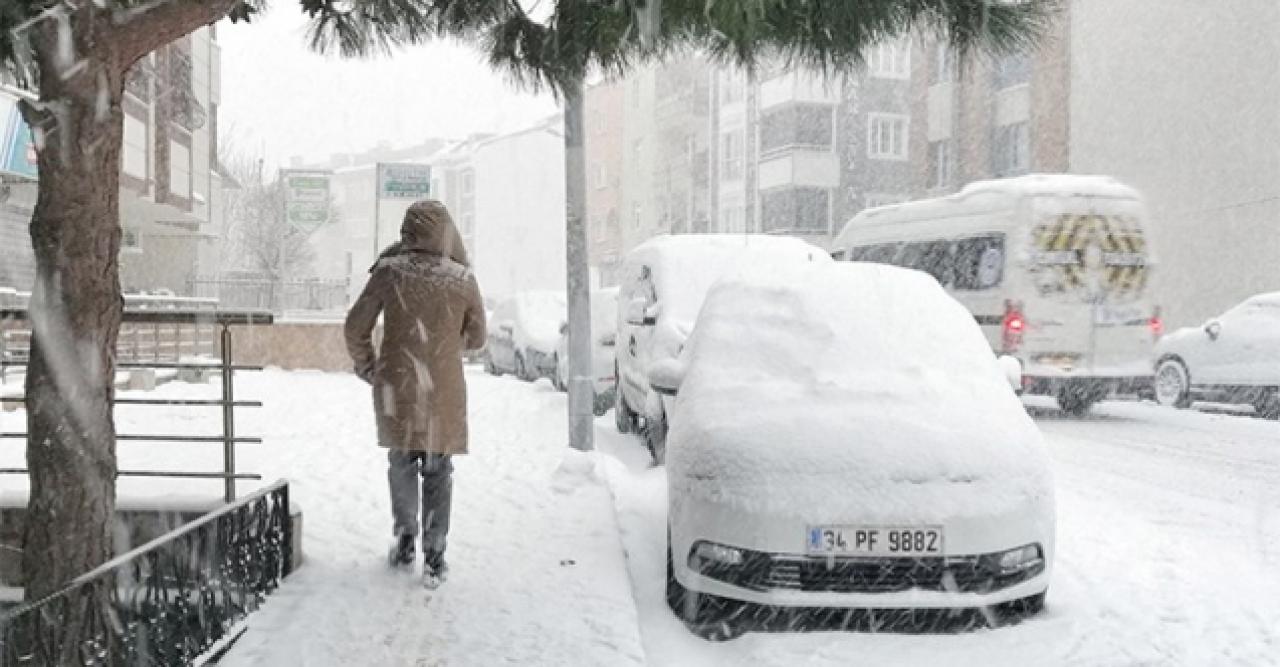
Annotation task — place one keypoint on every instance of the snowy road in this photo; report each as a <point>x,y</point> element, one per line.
<point>1168,543</point>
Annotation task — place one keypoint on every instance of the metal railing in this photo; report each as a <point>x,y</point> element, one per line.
<point>319,295</point>
<point>166,602</point>
<point>228,403</point>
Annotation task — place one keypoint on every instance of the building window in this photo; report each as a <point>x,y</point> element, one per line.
<point>179,170</point>
<point>939,163</point>
<point>1011,150</point>
<point>1011,70</point>
<point>943,66</point>
<point>796,210</point>
<point>635,215</point>
<point>130,239</point>
<point>602,175</point>
<point>134,155</point>
<point>890,59</point>
<point>797,125</point>
<point>468,183</point>
<point>731,158</point>
<point>887,136</point>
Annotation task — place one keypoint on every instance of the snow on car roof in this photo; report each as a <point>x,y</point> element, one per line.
<point>687,265</point>
<point>849,387</point>
<point>1265,299</point>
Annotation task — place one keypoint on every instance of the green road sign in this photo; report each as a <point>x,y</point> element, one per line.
<point>404,181</point>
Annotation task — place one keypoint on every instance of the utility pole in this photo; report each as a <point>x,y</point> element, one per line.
<point>377,207</point>
<point>577,276</point>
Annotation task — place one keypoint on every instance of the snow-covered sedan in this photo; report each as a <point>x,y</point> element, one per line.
<point>842,437</point>
<point>1234,358</point>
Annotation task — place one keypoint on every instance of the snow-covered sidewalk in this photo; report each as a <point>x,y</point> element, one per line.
<point>537,569</point>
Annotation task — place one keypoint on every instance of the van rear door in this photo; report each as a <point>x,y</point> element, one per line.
<point>1090,266</point>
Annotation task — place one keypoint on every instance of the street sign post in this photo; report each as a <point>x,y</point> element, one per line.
<point>306,199</point>
<point>398,181</point>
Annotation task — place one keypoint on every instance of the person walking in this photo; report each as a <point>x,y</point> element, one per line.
<point>432,312</point>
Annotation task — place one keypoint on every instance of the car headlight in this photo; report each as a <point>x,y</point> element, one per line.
<point>1020,559</point>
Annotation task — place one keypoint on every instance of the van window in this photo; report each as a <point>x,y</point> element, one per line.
<point>979,262</point>
<point>974,263</point>
<point>837,255</point>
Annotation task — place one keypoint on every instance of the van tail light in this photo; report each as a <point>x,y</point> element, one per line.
<point>1157,324</point>
<point>1012,327</point>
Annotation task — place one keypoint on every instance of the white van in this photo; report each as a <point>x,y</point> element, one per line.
<point>1055,268</point>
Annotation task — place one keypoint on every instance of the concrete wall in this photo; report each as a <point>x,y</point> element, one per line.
<point>292,346</point>
<point>1181,99</point>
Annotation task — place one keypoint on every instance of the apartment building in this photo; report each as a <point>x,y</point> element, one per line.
<point>171,185</point>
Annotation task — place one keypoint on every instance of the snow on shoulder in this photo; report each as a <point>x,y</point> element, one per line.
<point>843,385</point>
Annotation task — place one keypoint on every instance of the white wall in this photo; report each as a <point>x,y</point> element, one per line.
<point>1181,99</point>
<point>520,211</point>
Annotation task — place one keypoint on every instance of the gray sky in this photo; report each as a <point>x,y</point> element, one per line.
<point>279,99</point>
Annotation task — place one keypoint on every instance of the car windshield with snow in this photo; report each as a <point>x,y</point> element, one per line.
<point>843,437</point>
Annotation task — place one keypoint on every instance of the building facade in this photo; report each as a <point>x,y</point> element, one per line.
<point>171,185</point>
<point>603,105</point>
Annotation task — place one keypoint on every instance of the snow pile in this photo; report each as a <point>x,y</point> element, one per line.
<point>576,469</point>
<point>539,316</point>
<point>825,388</point>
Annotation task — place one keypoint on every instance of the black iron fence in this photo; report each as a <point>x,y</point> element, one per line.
<point>196,319</point>
<point>166,602</point>
<point>240,293</point>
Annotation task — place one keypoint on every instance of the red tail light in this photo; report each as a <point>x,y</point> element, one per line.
<point>1156,324</point>
<point>1012,327</point>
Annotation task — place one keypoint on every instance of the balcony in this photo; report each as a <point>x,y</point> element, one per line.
<point>800,167</point>
<point>792,87</point>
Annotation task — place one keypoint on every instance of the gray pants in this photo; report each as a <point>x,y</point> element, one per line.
<point>437,496</point>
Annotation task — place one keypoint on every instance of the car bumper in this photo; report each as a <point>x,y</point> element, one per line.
<point>1101,386</point>
<point>946,582</point>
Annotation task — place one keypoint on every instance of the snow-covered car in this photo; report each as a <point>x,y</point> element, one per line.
<point>842,437</point>
<point>1233,358</point>
<point>604,334</point>
<point>664,281</point>
<point>523,332</point>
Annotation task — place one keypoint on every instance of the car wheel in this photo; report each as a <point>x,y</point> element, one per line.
<point>1075,402</point>
<point>522,370</point>
<point>601,404</point>
<point>490,367</point>
<point>655,438</point>
<point>1267,405</point>
<point>623,416</point>
<point>707,616</point>
<point>1173,384</point>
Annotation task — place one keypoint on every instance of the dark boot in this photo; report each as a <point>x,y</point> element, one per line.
<point>403,551</point>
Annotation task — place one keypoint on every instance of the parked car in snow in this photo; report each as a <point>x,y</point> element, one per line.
<point>842,437</point>
<point>1233,358</point>
<point>522,335</point>
<point>664,281</point>
<point>604,334</point>
<point>1054,267</point>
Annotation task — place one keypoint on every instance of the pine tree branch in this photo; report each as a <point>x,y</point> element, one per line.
<point>145,28</point>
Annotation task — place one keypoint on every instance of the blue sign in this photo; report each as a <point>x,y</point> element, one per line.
<point>17,152</point>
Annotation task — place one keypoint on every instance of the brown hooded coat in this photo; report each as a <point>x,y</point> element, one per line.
<point>432,312</point>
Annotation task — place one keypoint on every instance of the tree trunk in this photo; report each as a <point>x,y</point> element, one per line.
<point>578,279</point>
<point>75,314</point>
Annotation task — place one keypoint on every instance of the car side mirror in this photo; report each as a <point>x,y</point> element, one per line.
<point>1213,329</point>
<point>641,314</point>
<point>666,376</point>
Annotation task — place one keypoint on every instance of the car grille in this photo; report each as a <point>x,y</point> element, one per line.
<point>967,574</point>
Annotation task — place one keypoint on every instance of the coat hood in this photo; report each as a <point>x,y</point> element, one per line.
<point>428,227</point>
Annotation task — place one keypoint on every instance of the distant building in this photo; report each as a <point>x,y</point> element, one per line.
<point>605,157</point>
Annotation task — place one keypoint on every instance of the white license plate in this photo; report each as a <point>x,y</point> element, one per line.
<point>1110,317</point>
<point>844,540</point>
